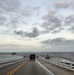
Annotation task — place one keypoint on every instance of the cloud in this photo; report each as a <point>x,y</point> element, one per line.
<point>69,20</point>
<point>29,11</point>
<point>58,30</point>
<point>26,12</point>
<point>9,45</point>
<point>58,42</point>
<point>44,31</point>
<point>3,46</point>
<point>52,23</point>
<point>71,29</point>
<point>3,20</point>
<point>9,5</point>
<point>7,8</point>
<point>64,4</point>
<point>15,48</point>
<point>36,8</point>
<point>32,34</point>
<point>13,22</point>
<point>18,32</point>
<point>13,15</point>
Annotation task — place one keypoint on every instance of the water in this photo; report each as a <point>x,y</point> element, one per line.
<point>8,58</point>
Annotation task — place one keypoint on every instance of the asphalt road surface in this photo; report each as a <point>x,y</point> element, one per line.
<point>25,67</point>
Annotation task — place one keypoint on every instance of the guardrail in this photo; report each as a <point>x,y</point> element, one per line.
<point>64,65</point>
<point>69,66</point>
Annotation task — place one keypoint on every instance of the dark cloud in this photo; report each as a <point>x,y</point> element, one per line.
<point>18,32</point>
<point>32,34</point>
<point>52,23</point>
<point>58,42</point>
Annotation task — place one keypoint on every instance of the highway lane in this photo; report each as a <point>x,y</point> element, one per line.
<point>56,69</point>
<point>7,69</point>
<point>25,67</point>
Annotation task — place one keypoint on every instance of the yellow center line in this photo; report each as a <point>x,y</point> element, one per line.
<point>16,69</point>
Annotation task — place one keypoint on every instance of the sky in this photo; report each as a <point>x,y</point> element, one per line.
<point>36,25</point>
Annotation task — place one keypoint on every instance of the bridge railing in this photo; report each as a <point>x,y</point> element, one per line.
<point>58,62</point>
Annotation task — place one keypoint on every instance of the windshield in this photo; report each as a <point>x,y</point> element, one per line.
<point>37,33</point>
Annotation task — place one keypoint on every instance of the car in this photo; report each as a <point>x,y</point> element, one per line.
<point>24,56</point>
<point>32,57</point>
<point>37,56</point>
<point>47,57</point>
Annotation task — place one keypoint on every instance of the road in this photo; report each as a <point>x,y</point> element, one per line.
<point>25,67</point>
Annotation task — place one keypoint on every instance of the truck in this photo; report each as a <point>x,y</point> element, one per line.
<point>32,57</point>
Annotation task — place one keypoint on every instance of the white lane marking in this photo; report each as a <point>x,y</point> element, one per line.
<point>44,68</point>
